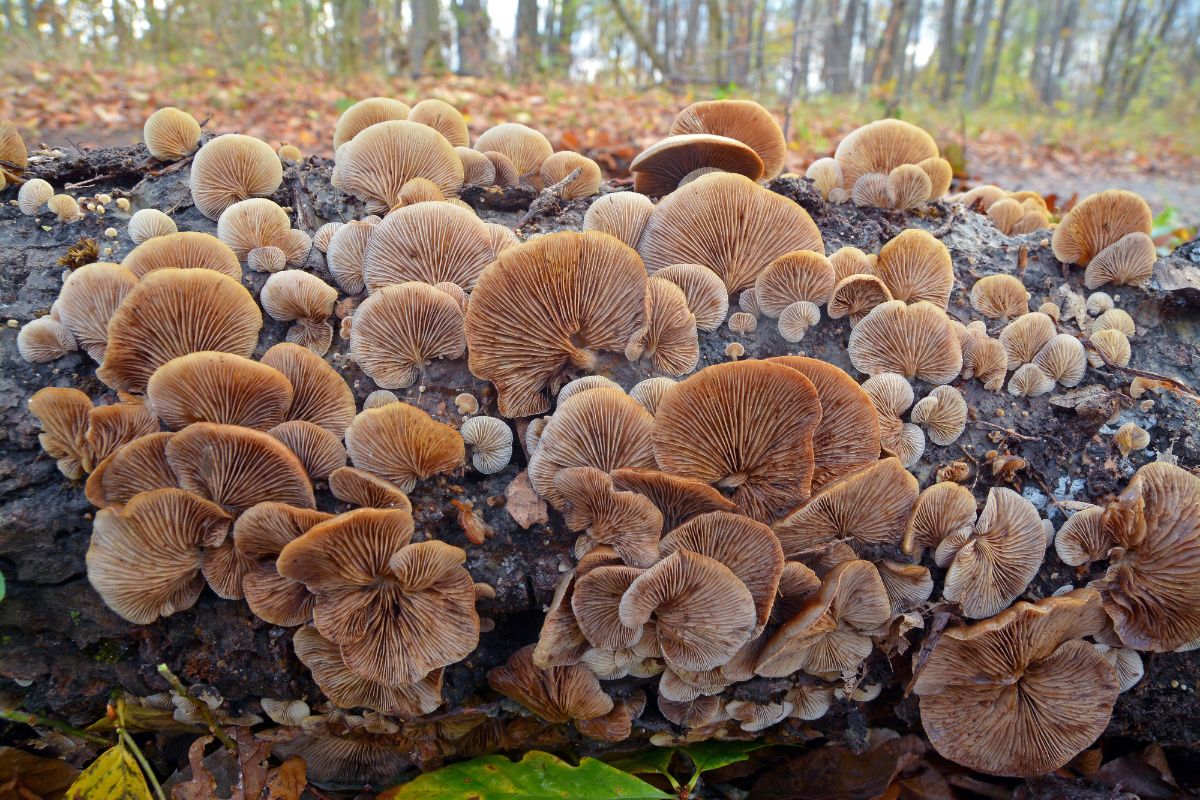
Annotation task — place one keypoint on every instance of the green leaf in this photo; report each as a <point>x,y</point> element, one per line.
<point>652,761</point>
<point>537,776</point>
<point>708,756</point>
<point>3,586</point>
<point>113,776</point>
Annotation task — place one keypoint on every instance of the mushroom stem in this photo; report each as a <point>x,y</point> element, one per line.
<point>210,719</point>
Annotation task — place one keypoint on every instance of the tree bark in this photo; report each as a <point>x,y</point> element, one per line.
<point>640,39</point>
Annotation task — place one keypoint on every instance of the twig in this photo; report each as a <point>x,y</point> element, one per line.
<point>944,228</point>
<point>210,719</point>
<point>550,197</point>
<point>33,720</point>
<point>1179,386</point>
<point>1008,431</point>
<point>128,741</point>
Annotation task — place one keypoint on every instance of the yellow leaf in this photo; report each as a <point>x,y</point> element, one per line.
<point>115,775</point>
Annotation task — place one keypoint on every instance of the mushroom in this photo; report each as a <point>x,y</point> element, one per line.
<point>171,134</point>
<point>857,295</point>
<point>248,225</point>
<point>289,153</point>
<point>1129,260</point>
<point>522,145</point>
<point>1063,358</point>
<point>1098,303</point>
<point>743,120</point>
<point>364,114</point>
<point>507,176</point>
<point>218,387</point>
<point>237,467</point>
<point>360,488</point>
<point>627,522</point>
<point>941,510</point>
<point>595,603</point>
<point>345,255</point>
<point>1125,662</point>
<point>325,233</point>
<point>999,297</point>
<point>826,175</point>
<point>703,288</point>
<point>650,391</point>
<point>173,312</point>
<point>1130,437</point>
<point>940,173</point>
<point>320,395</point>
<point>402,444</point>
<point>742,322</point>
<point>295,295</point>
<point>419,190</point>
<point>915,266</point>
<point>1114,318</point>
<point>65,207</point>
<point>986,359</point>
<point>669,163</point>
<point>1098,221</point>
<point>616,725</point>
<point>259,535</point>
<point>881,146</point>
<point>149,223</point>
<point>1006,214</point>
<point>443,118</point>
<point>140,465</point>
<point>555,694</point>
<point>380,159</point>
<point>89,299</point>
<point>478,169</point>
<point>678,499</point>
<point>729,224</point>
<point>429,242</point>
<point>983,196</point>
<point>908,187</point>
<point>757,716</point>
<point>12,150</point>
<point>1082,539</point>
<point>1025,336</point>
<point>230,168</point>
<point>558,166</point>
<point>399,329</point>
<point>1111,346</point>
<point>1019,694</point>
<point>670,333</point>
<point>491,443</point>
<point>698,713</point>
<point>621,214</point>
<point>793,277</point>
<point>943,414</point>
<point>746,427</point>
<point>34,194</point>
<point>797,318</point>
<point>545,308</point>
<point>45,339</point>
<point>913,340</point>
<point>572,388</point>
<point>871,190</point>
<point>183,250</point>
<point>318,450</point>
<point>63,414</point>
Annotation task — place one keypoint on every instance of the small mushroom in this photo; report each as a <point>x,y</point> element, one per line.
<point>940,175</point>
<point>183,250</point>
<point>871,190</point>
<point>915,266</point>
<point>1114,318</point>
<point>218,387</point>
<point>627,522</point>
<point>555,694</point>
<point>324,234</point>
<point>230,168</point>
<point>259,534</point>
<point>1130,437</point>
<point>402,444</point>
<point>360,488</point>
<point>12,150</point>
<point>320,395</point>
<point>65,208</point>
<point>45,339</point>
<point>913,340</point>
<point>941,510</point>
<point>943,414</point>
<point>478,169</point>
<point>670,333</point>
<point>237,467</point>
<point>826,175</point>
<point>797,318</point>
<point>908,187</point>
<point>621,214</point>
<point>650,391</point>
<point>399,329</point>
<point>381,158</point>
<point>443,118</point>
<point>742,323</point>
<point>318,450</point>
<point>1063,358</point>
<point>558,166</point>
<point>1025,336</point>
<point>364,114</point>
<point>491,443</point>
<point>1129,260</point>
<point>856,295</point>
<point>678,499</point>
<point>295,295</point>
<point>661,168</point>
<point>1110,346</point>
<point>999,297</point>
<point>1098,221</point>
<point>743,120</point>
<point>149,223</point>
<point>1006,214</point>
<point>89,300</point>
<point>345,255</point>
<point>704,290</point>
<point>171,134</point>
<point>881,146</point>
<point>793,277</point>
<point>507,176</point>
<point>522,145</point>
<point>34,194</point>
<point>1098,303</point>
<point>986,359</point>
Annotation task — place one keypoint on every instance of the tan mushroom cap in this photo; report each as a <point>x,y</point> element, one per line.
<point>183,250</point>
<point>138,466</point>
<point>912,340</point>
<point>986,359</point>
<point>620,214</point>
<point>344,255</point>
<point>856,295</point>
<point>556,694</point>
<point>678,499</point>
<point>248,225</point>
<point>173,312</point>
<point>696,713</point>
<point>45,339</point>
<point>744,426</point>
<point>940,173</point>
<point>365,113</point>
<point>318,450</point>
<point>625,521</point>
<point>524,146</point>
<point>826,175</point>
<point>339,759</point>
<point>491,443</point>
<point>797,318</point>
<point>429,242</point>
<point>868,508</point>
<point>1114,318</point>
<point>402,444</point>
<point>1000,297</point>
<point>1003,696</point>
<point>419,190</point>
<point>90,298</point>
<point>478,169</point>
<point>110,427</point>
<point>230,168</point>
<point>361,488</point>
<point>907,585</point>
<point>705,292</point>
<point>743,120</point>
<point>847,438</point>
<point>595,602</point>
<point>380,159</point>
<point>650,391</point>
<point>881,146</point>
<point>561,164</point>
<point>802,275</point>
<point>63,414</point>
<point>237,467</point>
<point>443,118</point>
<point>219,387</point>
<point>1098,221</point>
<point>659,169</point>
<point>148,223</point>
<point>171,134</point>
<point>1030,381</point>
<point>829,634</point>
<point>560,641</point>
<point>259,535</point>
<point>943,414</point>
<point>34,194</point>
<point>729,224</point>
<point>602,428</point>
<point>1129,260</point>
<point>583,384</point>
<point>507,176</point>
<point>916,266</point>
<point>544,309</point>
<point>400,329</point>
<point>941,510</point>
<point>1151,590</point>
<point>670,334</point>
<point>616,725</point>
<point>1111,346</point>
<point>1025,336</point>
<point>909,187</point>
<point>1130,437</point>
<point>992,565</point>
<point>983,195</point>
<point>12,150</point>
<point>296,295</point>
<point>320,395</point>
<point>1006,214</point>
<point>1063,358</point>
<point>871,190</point>
<point>1083,539</point>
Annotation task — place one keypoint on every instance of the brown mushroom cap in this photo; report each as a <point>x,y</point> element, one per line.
<point>1030,381</point>
<point>318,450</point>
<point>478,169</point>
<point>857,295</point>
<point>746,426</point>
<point>399,329</point>
<point>543,309</point>
<point>230,168</point>
<point>63,414</point>
<point>1083,539</point>
<point>1098,221</point>
<point>171,134</point>
<point>1063,358</point>
<point>402,444</point>
<point>148,223</point>
<point>941,510</point>
<point>345,255</point>
<point>522,145</point>
<point>1025,336</point>
<point>259,535</point>
<point>556,694</point>
<point>218,387</point>
<point>364,114</point>
<point>173,312</point>
<point>881,146</point>
<point>429,242</point>
<point>109,427</point>
<point>583,384</point>
<point>381,158</point>
<point>986,359</point>
<point>625,521</point>
<point>507,176</point>
<point>45,339</point>
<point>138,466</point>
<point>679,499</point>
<point>12,150</point>
<point>1021,693</point>
<point>826,175</point>
<point>909,187</point>
<point>649,392</point>
<point>912,340</point>
<point>145,559</point>
<point>248,225</point>
<point>1129,260</point>
<point>802,275</point>
<point>443,118</point>
<point>916,266</point>
<point>361,488</point>
<point>183,250</point>
<point>729,224</point>
<point>871,190</point>
<point>620,214</point>
<point>294,294</point>
<point>705,292</point>
<point>561,164</point>
<point>1006,214</point>
<point>89,298</point>
<point>943,414</point>
<point>670,333</point>
<point>940,173</point>
<point>1114,318</point>
<point>1111,346</point>
<point>743,120</point>
<point>1000,297</point>
<point>661,168</point>
<point>595,602</point>
<point>319,394</point>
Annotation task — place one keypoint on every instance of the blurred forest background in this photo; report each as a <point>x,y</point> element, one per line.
<point>1062,96</point>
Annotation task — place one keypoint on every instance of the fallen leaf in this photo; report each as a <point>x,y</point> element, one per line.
<point>524,505</point>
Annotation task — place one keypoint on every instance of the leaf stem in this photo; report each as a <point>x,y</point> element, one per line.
<point>210,719</point>
<point>25,718</point>
<point>127,740</point>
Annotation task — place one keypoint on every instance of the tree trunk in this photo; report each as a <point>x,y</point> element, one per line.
<point>997,51</point>
<point>527,37</point>
<point>645,47</point>
<point>794,74</point>
<point>471,25</point>
<point>975,63</point>
<point>888,50</point>
<point>1141,63</point>
<point>946,47</point>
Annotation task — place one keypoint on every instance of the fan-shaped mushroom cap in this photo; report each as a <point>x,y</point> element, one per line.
<point>380,159</point>
<point>364,114</point>
<point>419,190</point>
<point>583,384</point>
<point>345,255</point>
<point>881,146</point>
<point>1098,303</point>
<point>63,414</point>
<point>318,450</point>
<point>743,120</point>
<point>829,634</point>
<point>871,189</point>
<point>802,275</point>
<point>138,466</point>
<point>1025,336</point>
<point>867,508</point>
<point>826,175</point>
<point>171,134</point>
<point>361,488</point>
<point>183,250</point>
<point>398,610</point>
<point>1003,696</point>
<point>149,223</point>
<point>400,329</point>
<point>507,176</point>
<point>943,414</point>
<point>661,168</point>
<point>999,297</point>
<point>12,150</point>
<point>744,426</point>
<point>1129,260</point>
<point>704,612</point>
<point>173,312</point>
<point>1083,539</point>
<point>916,266</point>
<point>942,510</point>
<point>251,224</point>
<point>145,559</point>
<point>757,716</point>
<point>742,322</point>
<point>940,174</point>
<point>1114,318</point>
<point>797,318</point>
<point>1098,221</point>
<point>522,145</point>
<point>218,387</point>
<point>595,601</point>
<point>1006,214</point>
<point>45,339</point>
<point>320,395</point>
<point>65,207</point>
<point>912,340</point>
<point>1127,664</point>
<point>402,444</point>
<point>1030,381</point>
<point>986,359</point>
<point>478,169</point>
<point>443,118</point>
<point>670,333</point>
<point>857,295</point>
<point>560,165</point>
<point>34,194</point>
<point>491,442</point>
<point>294,294</point>
<point>1111,346</point>
<point>696,713</point>
<point>544,308</point>
<point>705,291</point>
<point>729,224</point>
<point>1150,589</point>
<point>230,168</point>
<point>325,233</point>
<point>991,566</point>
<point>679,499</point>
<point>1063,358</point>
<point>984,195</point>
<point>429,242</point>
<point>650,391</point>
<point>90,298</point>
<point>1130,437</point>
<point>556,694</point>
<point>909,187</point>
<point>620,214</point>
<point>890,393</point>
<point>237,467</point>
<point>259,535</point>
